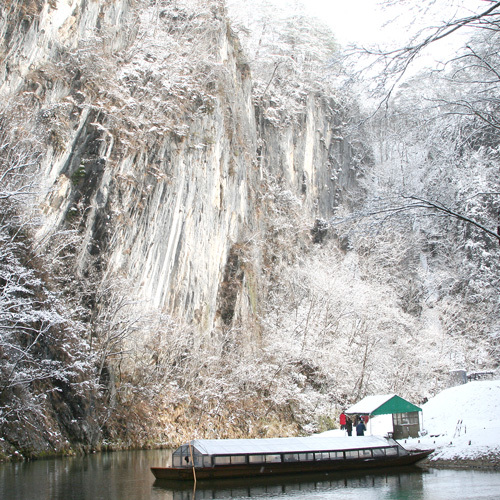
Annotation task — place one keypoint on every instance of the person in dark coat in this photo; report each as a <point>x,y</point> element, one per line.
<point>348,426</point>
<point>360,428</point>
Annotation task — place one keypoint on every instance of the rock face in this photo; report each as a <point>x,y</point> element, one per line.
<point>156,151</point>
<point>164,211</point>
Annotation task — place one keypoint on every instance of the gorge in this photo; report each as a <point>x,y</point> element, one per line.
<point>165,187</point>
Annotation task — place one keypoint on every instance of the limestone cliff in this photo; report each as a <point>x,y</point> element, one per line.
<point>177,179</point>
<point>165,197</point>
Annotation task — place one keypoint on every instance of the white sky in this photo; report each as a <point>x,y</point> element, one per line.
<point>371,22</point>
<point>358,21</point>
<point>364,22</point>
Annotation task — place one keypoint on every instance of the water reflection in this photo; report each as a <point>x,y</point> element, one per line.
<point>106,476</point>
<point>393,483</point>
<point>127,476</point>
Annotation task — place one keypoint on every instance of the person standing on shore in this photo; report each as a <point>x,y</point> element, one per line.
<point>360,428</point>
<point>348,426</point>
<point>342,420</point>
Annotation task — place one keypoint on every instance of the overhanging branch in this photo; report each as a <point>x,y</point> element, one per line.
<point>419,203</point>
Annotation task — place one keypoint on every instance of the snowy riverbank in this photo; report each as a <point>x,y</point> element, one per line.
<point>461,423</point>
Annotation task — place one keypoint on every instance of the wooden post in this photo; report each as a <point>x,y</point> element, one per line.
<point>192,461</point>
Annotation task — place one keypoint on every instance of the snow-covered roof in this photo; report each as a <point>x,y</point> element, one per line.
<point>369,404</point>
<point>286,445</point>
<point>382,404</point>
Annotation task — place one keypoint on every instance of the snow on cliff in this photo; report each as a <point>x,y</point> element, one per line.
<point>462,422</point>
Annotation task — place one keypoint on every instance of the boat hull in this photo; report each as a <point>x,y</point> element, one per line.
<point>283,468</point>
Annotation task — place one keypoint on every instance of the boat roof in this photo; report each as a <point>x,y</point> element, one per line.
<point>287,445</point>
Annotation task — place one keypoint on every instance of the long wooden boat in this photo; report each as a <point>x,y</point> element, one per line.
<point>225,458</point>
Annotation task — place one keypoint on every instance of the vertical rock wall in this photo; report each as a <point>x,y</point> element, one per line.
<point>33,32</point>
<point>310,155</point>
<point>165,199</point>
<point>180,206</point>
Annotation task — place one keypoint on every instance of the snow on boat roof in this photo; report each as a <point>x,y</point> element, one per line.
<point>286,445</point>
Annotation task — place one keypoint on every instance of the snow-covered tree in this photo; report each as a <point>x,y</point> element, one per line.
<point>44,356</point>
<point>436,143</point>
<point>289,52</point>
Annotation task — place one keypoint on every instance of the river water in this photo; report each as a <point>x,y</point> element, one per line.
<point>126,476</point>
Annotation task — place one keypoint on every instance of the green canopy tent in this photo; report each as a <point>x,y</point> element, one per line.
<point>405,415</point>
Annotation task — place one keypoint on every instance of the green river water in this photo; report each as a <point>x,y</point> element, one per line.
<point>126,475</point>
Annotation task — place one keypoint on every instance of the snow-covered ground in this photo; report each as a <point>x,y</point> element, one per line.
<point>461,423</point>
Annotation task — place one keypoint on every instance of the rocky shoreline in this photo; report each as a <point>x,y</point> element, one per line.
<point>486,462</point>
